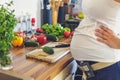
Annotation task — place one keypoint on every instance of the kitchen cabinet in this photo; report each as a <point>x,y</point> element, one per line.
<point>67,72</point>
<point>38,70</point>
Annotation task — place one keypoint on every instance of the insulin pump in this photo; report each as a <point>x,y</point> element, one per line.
<point>87,69</point>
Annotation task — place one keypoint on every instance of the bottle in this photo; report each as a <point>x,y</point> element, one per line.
<point>28,24</point>
<point>33,25</point>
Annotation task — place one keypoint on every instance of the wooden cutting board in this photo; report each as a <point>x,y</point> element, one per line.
<point>40,55</point>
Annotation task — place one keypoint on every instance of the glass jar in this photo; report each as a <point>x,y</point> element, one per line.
<point>6,62</point>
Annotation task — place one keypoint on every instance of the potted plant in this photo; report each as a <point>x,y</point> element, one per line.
<point>7,24</point>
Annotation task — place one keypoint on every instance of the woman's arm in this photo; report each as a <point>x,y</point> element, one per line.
<point>107,36</point>
<point>117,1</point>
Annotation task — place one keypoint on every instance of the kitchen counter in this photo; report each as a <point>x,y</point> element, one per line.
<point>38,70</point>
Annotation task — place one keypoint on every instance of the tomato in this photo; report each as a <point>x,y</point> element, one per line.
<point>72,33</point>
<point>66,34</point>
<point>75,14</point>
<point>42,39</point>
<point>39,30</point>
<point>35,36</point>
<point>20,34</point>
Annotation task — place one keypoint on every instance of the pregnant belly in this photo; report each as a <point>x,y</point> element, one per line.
<point>87,48</point>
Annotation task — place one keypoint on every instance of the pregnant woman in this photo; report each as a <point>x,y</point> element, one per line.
<point>89,52</point>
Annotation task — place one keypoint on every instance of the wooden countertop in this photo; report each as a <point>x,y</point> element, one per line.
<point>38,70</point>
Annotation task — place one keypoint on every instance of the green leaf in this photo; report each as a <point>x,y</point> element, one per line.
<point>2,29</point>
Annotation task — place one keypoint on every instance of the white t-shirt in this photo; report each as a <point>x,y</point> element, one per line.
<point>84,45</point>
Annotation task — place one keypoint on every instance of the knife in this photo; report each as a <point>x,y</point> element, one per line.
<point>61,45</point>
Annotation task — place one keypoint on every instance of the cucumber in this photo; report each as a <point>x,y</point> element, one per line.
<point>31,44</point>
<point>51,37</point>
<point>48,50</point>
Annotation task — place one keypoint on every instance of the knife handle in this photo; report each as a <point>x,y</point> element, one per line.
<point>62,45</point>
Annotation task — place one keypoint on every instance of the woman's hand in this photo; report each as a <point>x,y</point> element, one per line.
<point>107,36</point>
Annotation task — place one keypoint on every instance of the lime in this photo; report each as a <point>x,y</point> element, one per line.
<point>81,15</point>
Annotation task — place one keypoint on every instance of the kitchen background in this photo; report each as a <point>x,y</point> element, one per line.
<point>27,9</point>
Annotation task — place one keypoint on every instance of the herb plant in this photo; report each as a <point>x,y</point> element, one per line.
<point>7,24</point>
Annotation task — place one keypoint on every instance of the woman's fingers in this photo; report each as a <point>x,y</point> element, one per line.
<point>108,37</point>
<point>107,30</point>
<point>104,33</point>
<point>104,41</point>
<point>101,34</point>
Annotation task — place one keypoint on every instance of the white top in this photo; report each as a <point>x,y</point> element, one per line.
<point>84,45</point>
